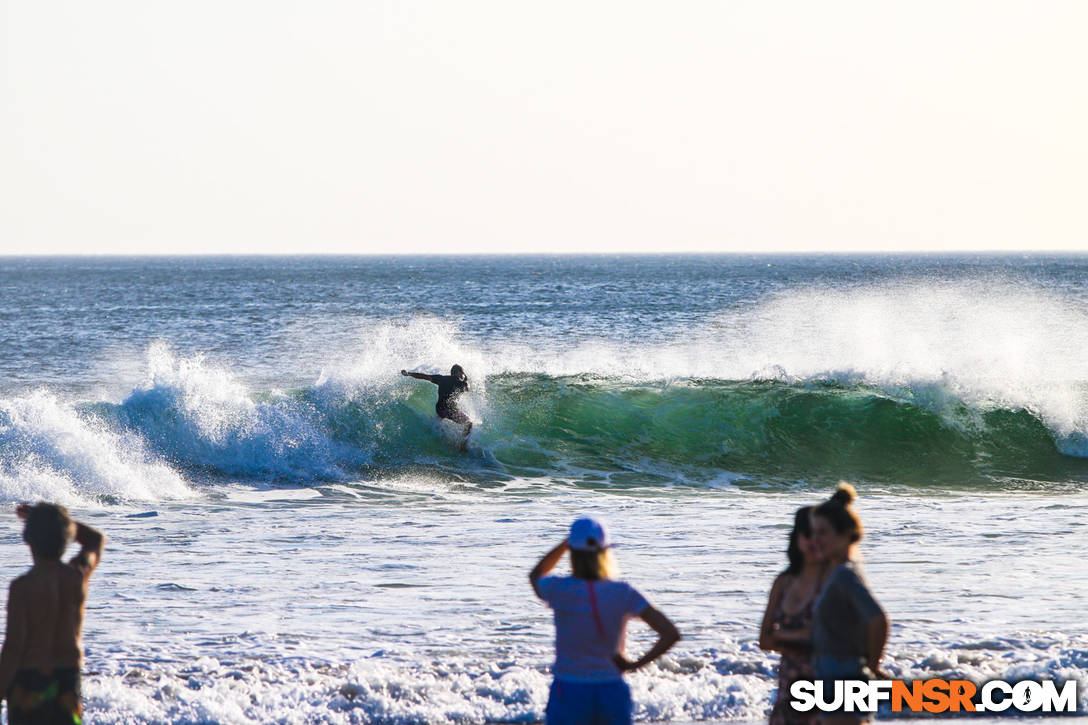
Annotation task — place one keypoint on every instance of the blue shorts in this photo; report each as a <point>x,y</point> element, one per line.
<point>589,703</point>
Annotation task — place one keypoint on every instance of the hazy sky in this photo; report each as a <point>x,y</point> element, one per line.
<point>144,126</point>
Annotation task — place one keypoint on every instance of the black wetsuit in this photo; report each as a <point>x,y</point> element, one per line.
<point>450,389</point>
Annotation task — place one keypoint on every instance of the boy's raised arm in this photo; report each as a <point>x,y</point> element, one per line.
<point>91,542</point>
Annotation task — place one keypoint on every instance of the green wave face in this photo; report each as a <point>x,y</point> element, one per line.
<point>702,431</point>
<point>607,431</point>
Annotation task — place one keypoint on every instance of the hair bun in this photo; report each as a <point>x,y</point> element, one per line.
<point>844,494</point>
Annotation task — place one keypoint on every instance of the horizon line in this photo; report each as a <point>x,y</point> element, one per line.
<point>689,253</point>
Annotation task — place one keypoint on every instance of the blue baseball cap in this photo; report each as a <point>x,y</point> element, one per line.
<point>587,534</point>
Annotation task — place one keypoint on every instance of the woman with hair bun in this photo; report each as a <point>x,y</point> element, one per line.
<point>787,622</point>
<point>849,627</point>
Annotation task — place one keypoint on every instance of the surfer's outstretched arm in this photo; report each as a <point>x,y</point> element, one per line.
<point>419,376</point>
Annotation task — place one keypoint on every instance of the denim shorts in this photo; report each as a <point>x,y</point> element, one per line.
<point>589,703</point>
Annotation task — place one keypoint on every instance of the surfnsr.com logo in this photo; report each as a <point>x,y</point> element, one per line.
<point>933,696</point>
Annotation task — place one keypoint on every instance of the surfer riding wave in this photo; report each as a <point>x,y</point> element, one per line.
<point>450,388</point>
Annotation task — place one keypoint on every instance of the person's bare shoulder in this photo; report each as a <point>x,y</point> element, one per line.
<point>77,573</point>
<point>781,583</point>
<point>19,587</point>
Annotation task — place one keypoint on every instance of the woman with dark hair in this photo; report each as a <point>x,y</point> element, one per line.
<point>787,621</point>
<point>591,612</point>
<point>849,627</point>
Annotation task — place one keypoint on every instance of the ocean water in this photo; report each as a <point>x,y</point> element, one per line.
<point>294,538</point>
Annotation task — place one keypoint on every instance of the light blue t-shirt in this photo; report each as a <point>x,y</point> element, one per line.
<point>584,643</point>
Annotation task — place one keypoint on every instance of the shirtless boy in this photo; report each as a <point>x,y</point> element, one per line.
<point>43,650</point>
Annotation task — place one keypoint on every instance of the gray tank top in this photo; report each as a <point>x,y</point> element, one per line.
<point>841,614</point>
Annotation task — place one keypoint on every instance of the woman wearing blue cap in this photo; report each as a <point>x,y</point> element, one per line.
<point>591,612</point>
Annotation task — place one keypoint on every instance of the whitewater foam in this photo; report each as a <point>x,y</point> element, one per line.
<point>50,451</point>
<point>201,416</point>
<point>728,683</point>
<point>454,689</point>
